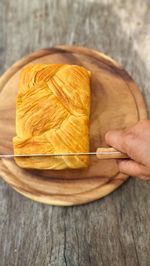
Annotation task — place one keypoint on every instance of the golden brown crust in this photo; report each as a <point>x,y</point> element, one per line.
<point>53,106</point>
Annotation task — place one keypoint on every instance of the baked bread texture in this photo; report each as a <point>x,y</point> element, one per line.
<point>52,116</point>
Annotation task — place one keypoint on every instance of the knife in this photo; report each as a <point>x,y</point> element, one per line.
<point>101,153</point>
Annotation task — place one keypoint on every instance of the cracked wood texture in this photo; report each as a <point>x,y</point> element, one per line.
<point>116,229</point>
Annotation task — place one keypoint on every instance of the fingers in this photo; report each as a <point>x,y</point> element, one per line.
<point>115,138</point>
<point>125,141</point>
<point>135,142</point>
<point>131,168</point>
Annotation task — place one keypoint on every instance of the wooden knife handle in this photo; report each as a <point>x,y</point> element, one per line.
<point>111,153</point>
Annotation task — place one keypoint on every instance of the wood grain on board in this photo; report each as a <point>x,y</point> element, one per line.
<point>115,229</point>
<point>116,103</point>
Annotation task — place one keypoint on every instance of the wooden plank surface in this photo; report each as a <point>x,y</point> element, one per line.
<point>112,231</point>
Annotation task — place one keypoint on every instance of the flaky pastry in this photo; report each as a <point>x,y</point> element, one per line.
<point>52,116</point>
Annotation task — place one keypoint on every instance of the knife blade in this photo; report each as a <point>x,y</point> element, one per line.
<point>101,153</point>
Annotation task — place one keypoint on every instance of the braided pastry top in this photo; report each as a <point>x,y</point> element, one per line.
<point>52,115</point>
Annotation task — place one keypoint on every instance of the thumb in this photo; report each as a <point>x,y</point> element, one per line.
<point>115,138</point>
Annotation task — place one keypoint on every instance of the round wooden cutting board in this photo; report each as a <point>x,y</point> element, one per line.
<point>116,103</point>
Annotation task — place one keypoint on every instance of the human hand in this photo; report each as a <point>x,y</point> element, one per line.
<point>135,142</point>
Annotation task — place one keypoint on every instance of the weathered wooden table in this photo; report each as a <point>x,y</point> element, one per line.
<point>115,230</point>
